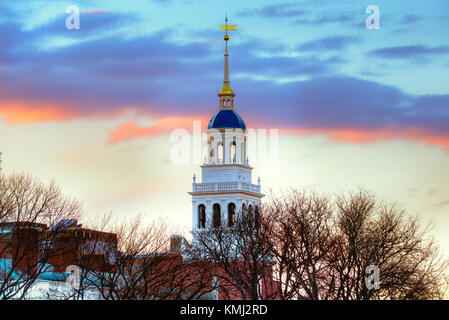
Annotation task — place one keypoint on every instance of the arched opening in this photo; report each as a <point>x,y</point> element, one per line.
<point>211,149</point>
<point>220,153</point>
<point>250,217</point>
<point>242,153</point>
<point>231,214</point>
<point>243,213</point>
<point>201,216</point>
<point>233,152</point>
<point>257,217</point>
<point>216,216</point>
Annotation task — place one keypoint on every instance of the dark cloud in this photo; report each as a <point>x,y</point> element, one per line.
<point>282,10</point>
<point>17,43</point>
<point>330,101</point>
<point>114,70</point>
<point>329,43</point>
<point>276,65</point>
<point>413,52</point>
<point>326,19</point>
<point>181,79</point>
<point>342,102</point>
<point>8,12</point>
<point>410,18</point>
<point>297,14</point>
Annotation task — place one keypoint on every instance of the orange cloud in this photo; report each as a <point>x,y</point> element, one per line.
<point>28,112</point>
<point>18,112</point>
<point>366,136</point>
<point>131,130</point>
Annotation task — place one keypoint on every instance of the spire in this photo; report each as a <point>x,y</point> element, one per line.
<point>226,66</point>
<point>226,94</point>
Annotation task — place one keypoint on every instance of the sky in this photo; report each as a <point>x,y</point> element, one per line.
<point>95,108</point>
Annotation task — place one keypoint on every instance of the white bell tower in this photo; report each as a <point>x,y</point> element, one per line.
<point>226,194</point>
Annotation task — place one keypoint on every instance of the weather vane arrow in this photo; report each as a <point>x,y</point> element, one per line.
<point>228,28</point>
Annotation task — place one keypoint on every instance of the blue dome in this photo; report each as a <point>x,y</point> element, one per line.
<point>224,119</point>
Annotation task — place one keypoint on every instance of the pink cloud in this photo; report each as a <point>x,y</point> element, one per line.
<point>366,136</point>
<point>25,112</point>
<point>131,130</point>
<point>30,112</point>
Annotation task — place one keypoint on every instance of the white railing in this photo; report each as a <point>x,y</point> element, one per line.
<point>226,186</point>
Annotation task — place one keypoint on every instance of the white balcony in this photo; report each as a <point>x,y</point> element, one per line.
<point>226,186</point>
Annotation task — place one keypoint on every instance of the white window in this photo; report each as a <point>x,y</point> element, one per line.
<point>233,152</point>
<point>220,153</point>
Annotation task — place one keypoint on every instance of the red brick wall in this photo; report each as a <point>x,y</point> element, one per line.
<point>24,249</point>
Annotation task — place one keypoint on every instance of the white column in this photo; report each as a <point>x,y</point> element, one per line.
<point>215,151</point>
<point>209,216</point>
<point>238,147</point>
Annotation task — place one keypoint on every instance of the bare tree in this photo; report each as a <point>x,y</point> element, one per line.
<point>323,248</point>
<point>236,259</point>
<point>26,207</point>
<point>302,238</point>
<point>371,233</point>
<point>318,247</point>
<point>141,265</point>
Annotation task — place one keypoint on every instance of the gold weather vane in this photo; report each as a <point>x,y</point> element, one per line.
<point>227,28</point>
<point>230,27</point>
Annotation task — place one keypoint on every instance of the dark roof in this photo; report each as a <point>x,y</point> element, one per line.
<point>65,224</point>
<point>224,119</point>
<point>22,224</point>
